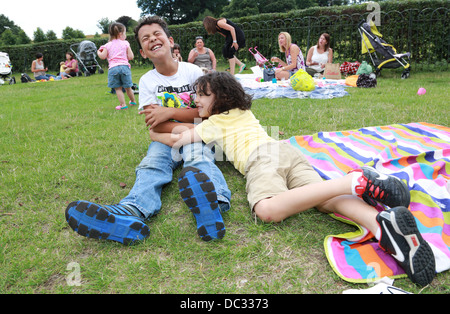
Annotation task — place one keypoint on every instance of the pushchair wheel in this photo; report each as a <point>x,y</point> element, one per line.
<point>377,72</point>
<point>87,73</point>
<point>12,80</point>
<point>405,74</point>
<point>100,71</point>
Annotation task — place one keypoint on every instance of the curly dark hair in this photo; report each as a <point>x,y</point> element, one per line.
<point>228,92</point>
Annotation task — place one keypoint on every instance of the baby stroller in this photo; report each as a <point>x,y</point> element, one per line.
<point>86,53</point>
<point>381,53</point>
<point>6,69</point>
<point>260,59</point>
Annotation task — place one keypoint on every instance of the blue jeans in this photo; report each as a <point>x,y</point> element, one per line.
<point>44,77</point>
<point>156,170</point>
<point>120,76</point>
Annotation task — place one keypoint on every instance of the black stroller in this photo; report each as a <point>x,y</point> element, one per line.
<point>381,53</point>
<point>86,53</point>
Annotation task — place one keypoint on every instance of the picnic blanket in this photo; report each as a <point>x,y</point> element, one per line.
<point>419,154</point>
<point>325,89</point>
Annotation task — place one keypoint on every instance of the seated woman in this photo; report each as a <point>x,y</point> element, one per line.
<point>294,57</point>
<point>70,66</point>
<point>38,68</point>
<point>319,55</point>
<point>202,56</point>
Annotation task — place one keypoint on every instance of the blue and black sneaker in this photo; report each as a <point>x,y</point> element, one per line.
<point>118,223</point>
<point>198,192</point>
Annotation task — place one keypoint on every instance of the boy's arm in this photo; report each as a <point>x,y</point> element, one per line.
<point>154,114</point>
<point>176,140</point>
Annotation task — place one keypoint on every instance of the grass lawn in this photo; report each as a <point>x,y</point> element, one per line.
<point>64,141</point>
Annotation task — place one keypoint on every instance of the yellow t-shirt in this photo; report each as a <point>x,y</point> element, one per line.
<point>237,132</point>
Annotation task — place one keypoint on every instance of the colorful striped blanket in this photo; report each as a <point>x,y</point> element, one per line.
<point>419,154</point>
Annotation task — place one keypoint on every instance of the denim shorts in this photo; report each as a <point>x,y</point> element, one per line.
<point>120,76</point>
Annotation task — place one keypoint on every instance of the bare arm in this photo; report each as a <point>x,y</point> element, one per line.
<point>223,24</point>
<point>102,53</point>
<point>309,56</point>
<point>172,127</point>
<point>330,55</point>
<point>213,59</point>
<point>176,139</point>
<point>130,54</point>
<point>155,114</point>
<point>192,56</point>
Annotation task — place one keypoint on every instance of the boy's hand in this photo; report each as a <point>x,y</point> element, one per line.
<point>155,115</point>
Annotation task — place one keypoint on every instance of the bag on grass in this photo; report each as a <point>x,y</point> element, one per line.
<point>25,78</point>
<point>332,71</point>
<point>302,81</point>
<point>349,68</point>
<point>366,80</point>
<point>364,68</point>
<point>351,80</point>
<point>269,74</point>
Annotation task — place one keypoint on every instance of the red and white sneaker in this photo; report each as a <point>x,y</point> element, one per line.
<point>401,238</point>
<point>375,187</point>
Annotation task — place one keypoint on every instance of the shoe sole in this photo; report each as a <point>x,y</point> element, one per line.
<point>198,192</point>
<point>420,267</point>
<point>92,221</point>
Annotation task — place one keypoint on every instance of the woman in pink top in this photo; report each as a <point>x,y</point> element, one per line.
<point>118,53</point>
<point>70,66</point>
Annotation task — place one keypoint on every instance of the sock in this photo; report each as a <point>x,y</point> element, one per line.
<point>378,234</point>
<point>357,189</point>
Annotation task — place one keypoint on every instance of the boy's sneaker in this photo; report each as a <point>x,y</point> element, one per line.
<point>110,222</point>
<point>198,192</point>
<point>401,238</point>
<point>375,186</point>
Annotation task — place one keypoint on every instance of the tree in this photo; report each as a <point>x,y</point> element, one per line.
<point>69,33</point>
<point>103,24</point>
<point>304,4</point>
<point>129,23</point>
<point>7,38</point>
<point>180,11</point>
<point>51,35</point>
<point>39,35</point>
<point>22,38</point>
<point>241,8</point>
<point>6,23</point>
<point>17,32</point>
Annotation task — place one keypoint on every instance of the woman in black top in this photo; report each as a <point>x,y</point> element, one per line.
<point>234,39</point>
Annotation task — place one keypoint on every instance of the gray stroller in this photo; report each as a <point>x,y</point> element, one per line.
<point>86,53</point>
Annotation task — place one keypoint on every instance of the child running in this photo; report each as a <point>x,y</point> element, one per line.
<point>118,53</point>
<point>281,182</point>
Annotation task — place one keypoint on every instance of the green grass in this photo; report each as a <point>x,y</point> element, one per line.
<point>63,141</point>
